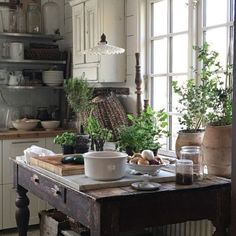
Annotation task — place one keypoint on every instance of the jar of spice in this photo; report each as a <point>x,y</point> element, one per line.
<point>194,154</point>
<point>184,172</point>
<point>33,18</point>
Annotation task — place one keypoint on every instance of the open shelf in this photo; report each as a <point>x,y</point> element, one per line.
<point>50,37</point>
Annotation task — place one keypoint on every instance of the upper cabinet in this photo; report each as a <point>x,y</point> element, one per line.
<point>90,19</point>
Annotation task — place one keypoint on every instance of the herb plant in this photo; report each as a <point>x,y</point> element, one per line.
<point>97,133</point>
<point>78,93</point>
<point>65,138</point>
<point>145,131</point>
<point>207,101</point>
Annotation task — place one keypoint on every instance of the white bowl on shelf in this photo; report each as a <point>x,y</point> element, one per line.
<point>25,124</point>
<point>50,124</point>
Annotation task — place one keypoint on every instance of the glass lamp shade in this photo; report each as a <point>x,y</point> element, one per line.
<point>103,48</point>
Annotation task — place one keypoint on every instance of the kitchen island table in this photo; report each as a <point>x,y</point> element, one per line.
<point>109,211</point>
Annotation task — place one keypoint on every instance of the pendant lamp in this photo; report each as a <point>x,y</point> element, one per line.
<point>103,48</point>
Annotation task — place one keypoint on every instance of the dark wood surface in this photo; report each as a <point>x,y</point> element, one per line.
<point>110,211</point>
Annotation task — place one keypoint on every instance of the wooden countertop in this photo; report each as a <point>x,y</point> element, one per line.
<point>39,133</point>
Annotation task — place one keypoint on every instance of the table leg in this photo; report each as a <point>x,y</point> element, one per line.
<point>22,211</point>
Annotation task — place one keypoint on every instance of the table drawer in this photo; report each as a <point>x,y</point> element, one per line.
<point>43,187</point>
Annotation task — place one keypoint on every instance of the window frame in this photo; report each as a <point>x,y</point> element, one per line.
<point>195,34</point>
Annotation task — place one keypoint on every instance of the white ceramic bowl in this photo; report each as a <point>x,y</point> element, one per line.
<point>25,125</point>
<point>105,165</point>
<point>50,124</point>
<point>146,169</point>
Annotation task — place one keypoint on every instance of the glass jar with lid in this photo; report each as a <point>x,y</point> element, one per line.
<point>193,153</point>
<point>33,18</point>
<point>21,19</point>
<point>51,18</point>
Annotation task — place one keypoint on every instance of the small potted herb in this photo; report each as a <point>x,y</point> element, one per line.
<point>67,141</point>
<point>97,133</point>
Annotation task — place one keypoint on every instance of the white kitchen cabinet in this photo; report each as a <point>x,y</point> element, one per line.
<point>90,19</point>
<point>13,148</point>
<point>1,207</point>
<point>9,208</point>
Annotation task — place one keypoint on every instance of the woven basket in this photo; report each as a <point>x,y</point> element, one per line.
<point>109,112</point>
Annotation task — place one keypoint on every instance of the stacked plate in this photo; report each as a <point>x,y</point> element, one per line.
<point>53,78</point>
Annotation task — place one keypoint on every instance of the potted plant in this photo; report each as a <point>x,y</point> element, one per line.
<point>144,132</point>
<point>67,141</point>
<point>195,99</point>
<point>97,133</point>
<point>79,95</point>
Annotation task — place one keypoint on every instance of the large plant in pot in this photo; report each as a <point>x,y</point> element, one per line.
<point>195,99</point>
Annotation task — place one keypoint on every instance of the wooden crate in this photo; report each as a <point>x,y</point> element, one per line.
<point>52,222</point>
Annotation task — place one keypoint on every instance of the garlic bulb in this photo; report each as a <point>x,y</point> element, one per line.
<point>148,155</point>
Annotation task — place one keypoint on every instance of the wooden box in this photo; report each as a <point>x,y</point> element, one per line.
<point>52,222</point>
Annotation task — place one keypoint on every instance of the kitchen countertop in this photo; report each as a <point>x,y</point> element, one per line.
<point>39,133</point>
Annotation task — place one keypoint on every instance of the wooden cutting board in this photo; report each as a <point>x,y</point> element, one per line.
<point>53,164</point>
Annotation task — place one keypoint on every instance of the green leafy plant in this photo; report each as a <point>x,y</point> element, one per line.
<point>97,133</point>
<point>145,131</point>
<point>65,138</point>
<point>207,101</point>
<point>78,93</point>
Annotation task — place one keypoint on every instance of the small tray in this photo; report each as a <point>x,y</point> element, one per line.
<point>145,186</point>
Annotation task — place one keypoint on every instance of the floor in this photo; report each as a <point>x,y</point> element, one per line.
<point>33,231</point>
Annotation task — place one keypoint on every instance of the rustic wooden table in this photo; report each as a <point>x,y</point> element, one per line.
<point>107,212</point>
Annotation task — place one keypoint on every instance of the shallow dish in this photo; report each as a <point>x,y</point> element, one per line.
<point>25,125</point>
<point>50,124</point>
<point>147,169</point>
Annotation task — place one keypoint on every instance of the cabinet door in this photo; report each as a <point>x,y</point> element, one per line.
<point>78,33</point>
<point>56,148</point>
<point>9,198</point>
<point>1,207</point>
<point>13,148</point>
<point>1,167</point>
<point>91,26</point>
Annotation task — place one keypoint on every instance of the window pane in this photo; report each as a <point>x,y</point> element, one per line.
<point>180,53</point>
<point>159,24</point>
<point>180,16</point>
<point>217,38</point>
<point>159,93</point>
<point>175,97</point>
<point>159,56</point>
<point>216,12</point>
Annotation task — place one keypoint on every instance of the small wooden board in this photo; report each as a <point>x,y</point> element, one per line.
<point>53,164</point>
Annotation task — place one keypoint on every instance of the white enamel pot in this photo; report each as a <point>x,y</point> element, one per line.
<point>105,165</point>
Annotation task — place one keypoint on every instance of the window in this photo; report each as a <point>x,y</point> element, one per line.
<point>174,26</point>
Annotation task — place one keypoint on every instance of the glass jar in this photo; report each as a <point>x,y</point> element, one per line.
<point>12,20</point>
<point>184,172</point>
<point>50,13</point>
<point>194,154</point>
<point>21,20</point>
<point>33,18</point>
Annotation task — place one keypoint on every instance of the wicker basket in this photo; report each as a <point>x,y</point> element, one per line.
<point>110,112</point>
<point>44,54</point>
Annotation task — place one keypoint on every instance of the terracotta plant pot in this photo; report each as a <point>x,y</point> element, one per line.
<point>217,150</point>
<point>188,139</point>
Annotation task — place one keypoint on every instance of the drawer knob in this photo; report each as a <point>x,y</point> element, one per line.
<point>35,179</point>
<point>55,191</point>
